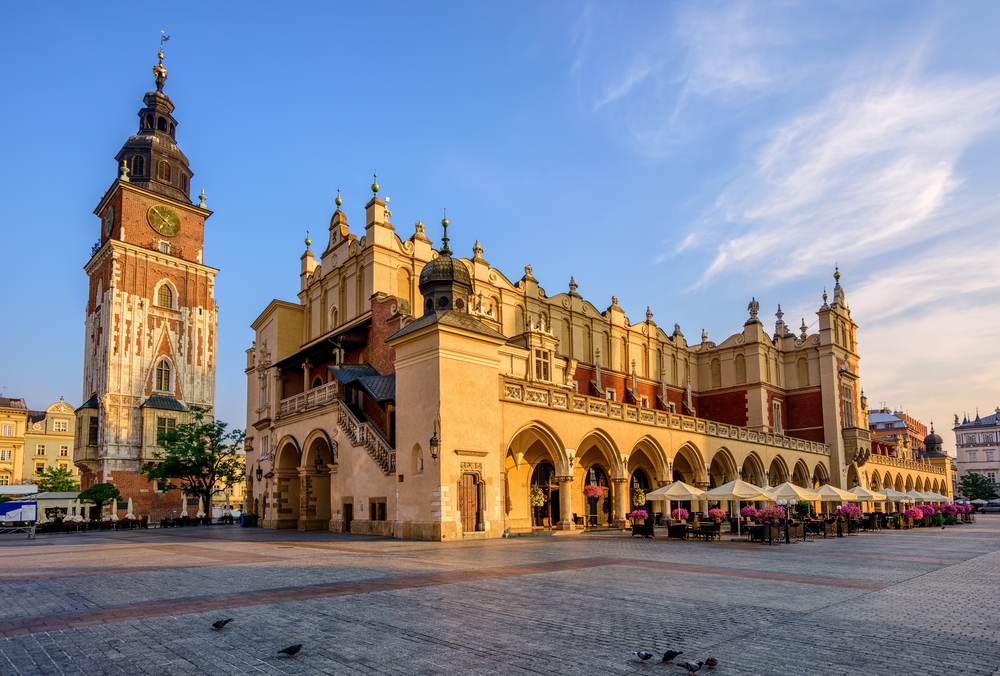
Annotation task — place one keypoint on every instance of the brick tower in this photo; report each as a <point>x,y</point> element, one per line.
<point>151,315</point>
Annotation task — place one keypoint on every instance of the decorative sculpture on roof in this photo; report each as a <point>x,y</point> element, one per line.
<point>753,307</point>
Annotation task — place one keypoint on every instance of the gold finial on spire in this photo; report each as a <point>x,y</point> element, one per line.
<point>124,173</point>
<point>158,70</point>
<point>308,241</point>
<point>338,201</point>
<point>375,184</point>
<point>202,198</point>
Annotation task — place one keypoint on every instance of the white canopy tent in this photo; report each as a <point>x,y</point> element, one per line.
<point>739,490</point>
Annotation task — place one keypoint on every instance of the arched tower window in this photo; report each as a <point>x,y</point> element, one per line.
<point>161,124</point>
<point>164,171</point>
<point>163,376</point>
<point>184,182</point>
<point>171,131</point>
<point>716,372</point>
<point>138,166</point>
<point>165,297</point>
<point>147,122</point>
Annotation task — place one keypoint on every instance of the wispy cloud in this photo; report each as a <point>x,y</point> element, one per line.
<point>869,170</point>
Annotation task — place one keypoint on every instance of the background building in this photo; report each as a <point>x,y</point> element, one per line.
<point>32,441</point>
<point>977,443</point>
<point>151,317</point>
<point>896,425</point>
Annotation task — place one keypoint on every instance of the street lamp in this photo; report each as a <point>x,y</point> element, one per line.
<point>259,473</point>
<point>319,464</point>
<point>435,444</point>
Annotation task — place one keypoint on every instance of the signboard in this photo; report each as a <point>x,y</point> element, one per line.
<point>18,511</point>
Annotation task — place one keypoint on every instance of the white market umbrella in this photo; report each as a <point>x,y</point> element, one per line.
<point>893,496</point>
<point>739,490</point>
<point>930,496</point>
<point>866,495</point>
<point>677,491</point>
<point>128,513</point>
<point>789,491</point>
<point>184,506</point>
<point>201,508</point>
<point>915,496</point>
<point>114,510</point>
<point>979,501</point>
<point>830,493</point>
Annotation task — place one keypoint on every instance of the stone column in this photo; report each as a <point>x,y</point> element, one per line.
<point>621,502</point>
<point>565,503</point>
<point>306,371</point>
<point>702,504</point>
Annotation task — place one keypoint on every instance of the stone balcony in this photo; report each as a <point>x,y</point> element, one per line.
<point>857,445</point>
<point>310,399</point>
<point>554,397</point>
<point>905,464</point>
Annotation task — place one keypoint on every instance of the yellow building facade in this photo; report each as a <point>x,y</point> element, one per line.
<point>415,394</point>
<point>34,441</point>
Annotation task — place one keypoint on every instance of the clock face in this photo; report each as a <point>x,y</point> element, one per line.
<point>109,221</point>
<point>164,220</point>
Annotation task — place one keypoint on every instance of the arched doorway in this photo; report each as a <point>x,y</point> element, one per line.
<point>639,480</point>
<point>315,487</point>
<point>543,478</point>
<point>777,474</point>
<point>598,507</point>
<point>284,508</point>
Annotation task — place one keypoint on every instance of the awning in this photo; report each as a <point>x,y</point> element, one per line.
<point>322,350</point>
<point>163,403</point>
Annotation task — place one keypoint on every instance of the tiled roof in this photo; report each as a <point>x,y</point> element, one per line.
<point>93,402</point>
<point>348,373</point>
<point>381,388</point>
<point>987,421</point>
<point>6,402</point>
<point>164,403</point>
<point>458,320</point>
<point>36,416</point>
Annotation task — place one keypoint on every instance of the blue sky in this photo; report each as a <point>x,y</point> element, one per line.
<point>683,156</point>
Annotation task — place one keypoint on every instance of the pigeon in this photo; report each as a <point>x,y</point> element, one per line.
<point>669,656</point>
<point>291,650</point>
<point>218,626</point>
<point>643,656</point>
<point>692,667</point>
<point>711,663</point>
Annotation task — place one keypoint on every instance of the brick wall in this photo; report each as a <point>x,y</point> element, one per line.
<point>131,208</point>
<point>804,415</point>
<point>726,407</point>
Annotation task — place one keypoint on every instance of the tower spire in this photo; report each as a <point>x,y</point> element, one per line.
<point>445,249</point>
<point>158,70</point>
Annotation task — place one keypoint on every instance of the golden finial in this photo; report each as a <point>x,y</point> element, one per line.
<point>124,173</point>
<point>375,185</point>
<point>338,201</point>
<point>158,70</point>
<point>836,274</point>
<point>445,249</point>
<point>202,198</point>
<point>308,241</point>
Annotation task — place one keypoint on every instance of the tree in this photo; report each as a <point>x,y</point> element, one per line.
<point>976,487</point>
<point>100,495</point>
<point>57,480</point>
<point>197,456</point>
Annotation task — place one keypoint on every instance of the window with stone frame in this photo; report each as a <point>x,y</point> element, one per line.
<point>644,402</point>
<point>991,477</point>
<point>164,171</point>
<point>970,438</point>
<point>165,295</point>
<point>163,376</point>
<point>610,394</point>
<point>6,430</point>
<point>164,248</point>
<point>778,428</point>
<point>64,451</point>
<point>672,407</point>
<point>39,467</point>
<point>263,390</point>
<point>973,456</point>
<point>4,480</point>
<point>164,426</point>
<point>40,449</point>
<point>5,454</point>
<point>989,456</point>
<point>376,509</point>
<point>92,431</point>
<point>848,402</point>
<point>542,365</point>
<point>61,426</point>
<point>138,166</point>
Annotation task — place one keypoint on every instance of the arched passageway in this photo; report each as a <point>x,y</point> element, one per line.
<point>314,508</point>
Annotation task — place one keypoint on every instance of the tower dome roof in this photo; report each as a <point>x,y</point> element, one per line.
<point>444,268</point>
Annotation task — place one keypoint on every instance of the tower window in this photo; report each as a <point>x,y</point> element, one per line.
<point>171,131</point>
<point>147,122</point>
<point>164,247</point>
<point>164,171</point>
<point>161,124</point>
<point>163,376</point>
<point>92,431</point>
<point>184,182</point>
<point>138,166</point>
<point>165,297</point>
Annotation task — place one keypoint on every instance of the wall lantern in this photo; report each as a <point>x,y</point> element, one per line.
<point>435,444</point>
<point>260,472</point>
<point>864,400</point>
<point>855,481</point>
<point>319,464</point>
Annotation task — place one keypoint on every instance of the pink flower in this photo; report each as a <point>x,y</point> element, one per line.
<point>638,514</point>
<point>750,512</point>
<point>593,491</point>
<point>680,513</point>
<point>717,513</point>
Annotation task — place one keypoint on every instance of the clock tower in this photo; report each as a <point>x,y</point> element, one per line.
<point>151,326</point>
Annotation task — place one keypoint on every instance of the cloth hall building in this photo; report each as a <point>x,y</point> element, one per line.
<point>412,393</point>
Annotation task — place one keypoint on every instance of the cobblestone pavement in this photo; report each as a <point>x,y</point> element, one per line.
<point>141,602</point>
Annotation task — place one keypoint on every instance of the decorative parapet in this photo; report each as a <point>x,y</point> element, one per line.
<point>537,394</point>
<point>905,464</point>
<point>317,396</point>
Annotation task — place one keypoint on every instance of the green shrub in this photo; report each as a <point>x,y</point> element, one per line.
<point>950,520</point>
<point>938,519</point>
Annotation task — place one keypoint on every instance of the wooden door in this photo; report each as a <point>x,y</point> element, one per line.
<point>348,517</point>
<point>468,501</point>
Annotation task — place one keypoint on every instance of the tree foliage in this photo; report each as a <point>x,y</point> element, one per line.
<point>976,487</point>
<point>100,494</point>
<point>197,456</point>
<point>57,480</point>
